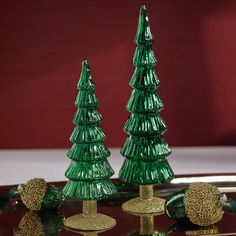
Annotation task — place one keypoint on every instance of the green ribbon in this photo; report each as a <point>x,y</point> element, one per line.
<point>5,199</point>
<point>231,206</point>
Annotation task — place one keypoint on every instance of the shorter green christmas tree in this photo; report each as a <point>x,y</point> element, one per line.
<point>89,172</point>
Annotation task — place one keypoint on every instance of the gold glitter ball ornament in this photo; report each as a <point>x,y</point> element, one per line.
<point>33,193</point>
<point>202,204</point>
<point>36,195</point>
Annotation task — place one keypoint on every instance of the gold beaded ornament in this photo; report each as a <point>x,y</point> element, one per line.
<point>36,195</point>
<point>201,203</point>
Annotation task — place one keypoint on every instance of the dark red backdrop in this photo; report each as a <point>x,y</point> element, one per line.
<point>42,44</point>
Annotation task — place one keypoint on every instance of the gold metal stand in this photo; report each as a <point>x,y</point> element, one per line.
<point>90,234</point>
<point>89,220</point>
<point>146,225</point>
<point>146,203</point>
<point>86,233</point>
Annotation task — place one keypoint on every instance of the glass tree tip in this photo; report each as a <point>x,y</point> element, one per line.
<point>143,8</point>
<point>85,63</point>
<point>143,35</point>
<point>85,72</point>
<point>143,14</point>
<point>85,81</point>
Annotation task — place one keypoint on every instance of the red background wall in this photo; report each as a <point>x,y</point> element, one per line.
<point>42,44</point>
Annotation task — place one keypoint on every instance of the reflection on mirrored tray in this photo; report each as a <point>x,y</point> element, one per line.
<point>15,219</point>
<point>50,223</point>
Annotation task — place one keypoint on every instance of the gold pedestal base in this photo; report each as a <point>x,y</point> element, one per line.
<point>89,223</point>
<point>138,206</point>
<point>86,233</point>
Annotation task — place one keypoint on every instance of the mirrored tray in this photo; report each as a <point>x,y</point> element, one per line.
<point>50,223</point>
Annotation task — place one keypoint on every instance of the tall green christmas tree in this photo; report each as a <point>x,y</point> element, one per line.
<point>145,149</point>
<point>89,171</point>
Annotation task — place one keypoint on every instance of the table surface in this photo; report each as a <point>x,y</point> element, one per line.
<point>128,224</point>
<point>17,166</point>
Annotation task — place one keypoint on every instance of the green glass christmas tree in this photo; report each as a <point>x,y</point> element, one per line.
<point>89,171</point>
<point>145,149</point>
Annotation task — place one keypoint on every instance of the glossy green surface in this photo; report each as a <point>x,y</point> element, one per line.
<point>143,101</point>
<point>52,221</point>
<point>89,171</point>
<point>85,82</point>
<point>86,116</point>
<point>144,56</point>
<point>174,206</point>
<point>142,124</point>
<point>87,134</point>
<point>150,148</point>
<point>143,173</point>
<point>143,35</point>
<point>52,198</point>
<point>5,199</point>
<point>86,98</point>
<point>145,149</point>
<point>88,190</point>
<point>231,206</point>
<point>88,152</point>
<point>144,78</point>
